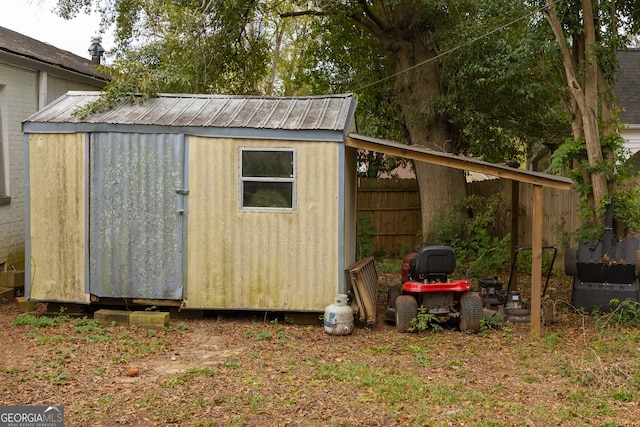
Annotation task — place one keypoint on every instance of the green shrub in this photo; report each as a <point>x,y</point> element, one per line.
<point>364,241</point>
<point>478,250</point>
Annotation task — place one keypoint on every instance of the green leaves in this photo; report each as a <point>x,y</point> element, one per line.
<point>183,47</point>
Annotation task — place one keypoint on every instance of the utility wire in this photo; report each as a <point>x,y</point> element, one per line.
<point>460,46</point>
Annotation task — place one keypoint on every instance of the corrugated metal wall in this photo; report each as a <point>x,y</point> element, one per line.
<point>262,260</point>
<point>350,171</point>
<point>135,235</point>
<point>57,217</point>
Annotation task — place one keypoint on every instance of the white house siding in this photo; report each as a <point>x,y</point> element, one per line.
<point>19,95</point>
<point>631,134</point>
<point>18,99</point>
<point>262,260</point>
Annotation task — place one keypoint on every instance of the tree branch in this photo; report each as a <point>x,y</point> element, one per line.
<point>302,13</point>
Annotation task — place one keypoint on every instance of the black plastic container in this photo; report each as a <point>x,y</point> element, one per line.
<point>605,269</point>
<point>590,295</point>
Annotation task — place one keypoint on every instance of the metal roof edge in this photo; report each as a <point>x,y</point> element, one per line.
<point>241,133</point>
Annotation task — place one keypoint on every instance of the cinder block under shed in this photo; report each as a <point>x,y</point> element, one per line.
<point>108,317</point>
<point>25,305</point>
<point>149,319</point>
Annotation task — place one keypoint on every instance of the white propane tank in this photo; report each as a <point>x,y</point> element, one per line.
<point>338,317</point>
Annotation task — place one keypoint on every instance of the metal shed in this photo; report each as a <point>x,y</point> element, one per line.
<point>203,201</point>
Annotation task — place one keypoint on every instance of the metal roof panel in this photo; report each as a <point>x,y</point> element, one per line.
<point>330,112</point>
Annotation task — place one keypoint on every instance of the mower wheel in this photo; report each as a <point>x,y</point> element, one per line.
<point>406,311</point>
<point>471,312</point>
<point>392,295</point>
<point>571,261</point>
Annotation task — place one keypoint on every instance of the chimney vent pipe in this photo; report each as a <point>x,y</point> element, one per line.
<point>96,50</point>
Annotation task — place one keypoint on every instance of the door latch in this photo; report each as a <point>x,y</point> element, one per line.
<point>183,191</point>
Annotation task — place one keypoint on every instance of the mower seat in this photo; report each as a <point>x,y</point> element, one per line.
<point>434,263</point>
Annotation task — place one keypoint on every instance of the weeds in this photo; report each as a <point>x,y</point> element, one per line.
<point>182,326</point>
<point>625,313</point>
<point>12,371</point>
<point>424,321</point>
<point>267,335</point>
<point>494,323</point>
<point>189,375</point>
<point>624,395</point>
<point>422,355</point>
<point>388,265</point>
<point>37,322</point>
<point>263,336</point>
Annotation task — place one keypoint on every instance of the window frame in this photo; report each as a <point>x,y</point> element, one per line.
<point>277,180</point>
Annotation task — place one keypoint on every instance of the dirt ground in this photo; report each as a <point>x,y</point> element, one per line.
<point>261,370</point>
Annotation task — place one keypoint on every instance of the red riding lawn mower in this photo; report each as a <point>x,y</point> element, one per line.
<point>425,283</point>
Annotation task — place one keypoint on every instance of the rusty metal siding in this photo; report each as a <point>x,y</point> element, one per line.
<point>56,222</point>
<point>133,240</point>
<point>135,236</point>
<point>262,260</point>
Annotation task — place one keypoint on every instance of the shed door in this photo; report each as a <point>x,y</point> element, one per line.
<point>135,229</point>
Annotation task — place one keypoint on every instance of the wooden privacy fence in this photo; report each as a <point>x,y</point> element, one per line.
<point>559,210</point>
<point>391,209</point>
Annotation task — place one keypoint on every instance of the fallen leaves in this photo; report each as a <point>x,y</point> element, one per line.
<point>214,373</point>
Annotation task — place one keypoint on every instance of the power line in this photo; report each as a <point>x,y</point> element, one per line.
<point>460,46</point>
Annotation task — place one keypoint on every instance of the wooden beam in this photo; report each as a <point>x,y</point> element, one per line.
<point>537,179</point>
<point>515,206</point>
<point>457,162</point>
<point>536,261</point>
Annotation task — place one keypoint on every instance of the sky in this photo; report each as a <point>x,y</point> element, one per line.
<point>36,19</point>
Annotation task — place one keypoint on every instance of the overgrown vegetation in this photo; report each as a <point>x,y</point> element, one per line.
<point>625,200</point>
<point>364,242</point>
<point>624,313</point>
<point>478,249</point>
<point>424,321</point>
<point>37,322</point>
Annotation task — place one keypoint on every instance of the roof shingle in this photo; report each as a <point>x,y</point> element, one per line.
<point>19,44</point>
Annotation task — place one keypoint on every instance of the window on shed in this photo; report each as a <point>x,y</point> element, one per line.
<point>267,179</point>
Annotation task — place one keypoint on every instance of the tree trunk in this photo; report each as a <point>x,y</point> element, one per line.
<point>417,85</point>
<point>440,187</point>
<point>584,96</point>
<point>276,58</point>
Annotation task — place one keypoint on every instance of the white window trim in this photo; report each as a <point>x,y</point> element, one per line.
<point>242,180</point>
